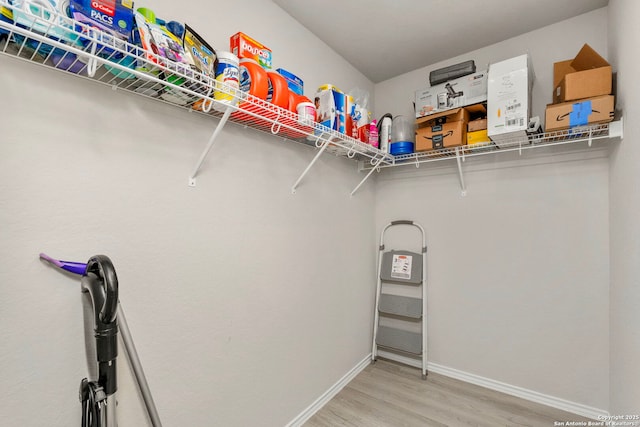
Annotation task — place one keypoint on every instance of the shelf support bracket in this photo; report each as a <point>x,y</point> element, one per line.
<point>460,175</point>
<point>214,135</point>
<point>616,129</point>
<point>373,169</point>
<point>317,156</point>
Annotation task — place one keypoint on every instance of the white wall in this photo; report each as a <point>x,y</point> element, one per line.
<point>246,302</point>
<point>625,203</point>
<point>519,268</point>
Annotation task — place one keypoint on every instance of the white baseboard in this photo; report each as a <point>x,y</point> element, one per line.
<point>329,394</point>
<point>530,395</point>
<point>533,396</point>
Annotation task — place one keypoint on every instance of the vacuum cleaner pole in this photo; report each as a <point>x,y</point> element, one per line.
<point>136,366</point>
<point>98,397</point>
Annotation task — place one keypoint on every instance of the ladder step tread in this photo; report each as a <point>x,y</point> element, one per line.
<point>410,342</point>
<point>400,305</point>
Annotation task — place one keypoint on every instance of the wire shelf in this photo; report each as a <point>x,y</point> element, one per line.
<point>61,43</point>
<point>562,137</point>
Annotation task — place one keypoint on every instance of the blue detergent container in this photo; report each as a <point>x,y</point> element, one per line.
<point>403,136</point>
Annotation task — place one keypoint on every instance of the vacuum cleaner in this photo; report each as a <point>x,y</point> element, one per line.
<point>98,395</point>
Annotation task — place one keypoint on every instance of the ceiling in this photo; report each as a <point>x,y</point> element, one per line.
<point>386,38</point>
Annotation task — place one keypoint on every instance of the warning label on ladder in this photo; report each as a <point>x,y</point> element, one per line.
<point>401,267</point>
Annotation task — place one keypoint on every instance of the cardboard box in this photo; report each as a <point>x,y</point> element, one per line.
<point>585,76</point>
<point>476,125</point>
<point>453,94</point>
<point>295,83</point>
<point>443,130</point>
<point>567,115</point>
<point>509,98</point>
<point>477,137</point>
<point>330,108</point>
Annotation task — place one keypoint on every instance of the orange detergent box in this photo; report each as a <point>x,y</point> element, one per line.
<point>244,46</point>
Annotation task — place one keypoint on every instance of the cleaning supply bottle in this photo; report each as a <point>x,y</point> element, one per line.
<point>373,133</point>
<point>384,131</point>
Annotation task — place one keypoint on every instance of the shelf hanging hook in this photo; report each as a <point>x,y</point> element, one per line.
<point>319,144</point>
<point>275,130</point>
<point>92,64</point>
<point>207,103</point>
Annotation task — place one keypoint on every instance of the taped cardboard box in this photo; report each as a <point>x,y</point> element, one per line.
<point>599,109</point>
<point>477,124</point>
<point>585,76</point>
<point>446,129</point>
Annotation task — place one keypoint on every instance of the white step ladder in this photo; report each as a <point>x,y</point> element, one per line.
<point>400,318</point>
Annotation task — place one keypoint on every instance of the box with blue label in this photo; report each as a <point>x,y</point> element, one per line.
<point>295,83</point>
<point>588,111</point>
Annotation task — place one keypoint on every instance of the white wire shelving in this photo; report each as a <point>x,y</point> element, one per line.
<point>63,44</point>
<point>582,134</point>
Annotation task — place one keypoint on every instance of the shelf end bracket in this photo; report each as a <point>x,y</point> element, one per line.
<point>616,129</point>
<point>373,169</point>
<point>460,175</point>
<point>323,146</point>
<point>214,135</point>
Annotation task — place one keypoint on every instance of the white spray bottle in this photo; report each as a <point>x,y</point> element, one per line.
<point>384,130</point>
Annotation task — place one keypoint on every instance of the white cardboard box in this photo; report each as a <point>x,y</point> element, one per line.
<point>509,98</point>
<point>460,92</point>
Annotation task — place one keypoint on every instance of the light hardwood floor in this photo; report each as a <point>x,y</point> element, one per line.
<point>389,394</point>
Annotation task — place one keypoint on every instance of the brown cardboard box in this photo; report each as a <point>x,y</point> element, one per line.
<point>598,109</point>
<point>476,125</point>
<point>442,130</point>
<point>446,129</point>
<point>585,76</point>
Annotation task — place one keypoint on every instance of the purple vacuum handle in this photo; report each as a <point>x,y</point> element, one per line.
<point>70,266</point>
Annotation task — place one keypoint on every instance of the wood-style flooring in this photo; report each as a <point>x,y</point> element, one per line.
<point>389,394</point>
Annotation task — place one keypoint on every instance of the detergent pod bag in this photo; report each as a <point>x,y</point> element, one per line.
<point>109,27</point>
<point>47,17</point>
<point>165,54</point>
<point>161,46</point>
<point>360,114</point>
<point>6,15</point>
<point>204,63</point>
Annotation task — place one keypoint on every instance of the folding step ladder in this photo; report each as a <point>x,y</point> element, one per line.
<point>400,318</point>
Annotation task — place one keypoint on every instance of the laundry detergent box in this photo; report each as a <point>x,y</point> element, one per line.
<point>113,17</point>
<point>244,46</point>
<point>330,105</point>
<point>295,83</point>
